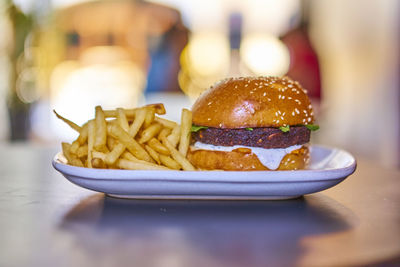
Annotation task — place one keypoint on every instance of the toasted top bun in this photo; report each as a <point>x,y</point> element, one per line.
<point>253,102</point>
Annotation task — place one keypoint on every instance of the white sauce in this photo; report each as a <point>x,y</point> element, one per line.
<point>270,158</point>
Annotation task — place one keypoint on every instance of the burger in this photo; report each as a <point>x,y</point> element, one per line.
<point>252,123</point>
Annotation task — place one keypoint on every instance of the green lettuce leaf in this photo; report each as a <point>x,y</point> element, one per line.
<point>196,128</point>
<point>285,128</point>
<point>312,127</point>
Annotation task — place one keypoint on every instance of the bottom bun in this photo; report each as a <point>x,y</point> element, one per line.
<point>242,160</point>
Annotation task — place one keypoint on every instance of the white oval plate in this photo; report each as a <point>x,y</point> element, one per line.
<point>328,167</point>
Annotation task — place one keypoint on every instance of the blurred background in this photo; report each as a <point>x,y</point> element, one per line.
<point>71,55</point>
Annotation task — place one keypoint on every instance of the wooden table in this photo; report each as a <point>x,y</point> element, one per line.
<point>47,221</point>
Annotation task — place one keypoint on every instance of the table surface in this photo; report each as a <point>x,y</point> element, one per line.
<point>47,221</point>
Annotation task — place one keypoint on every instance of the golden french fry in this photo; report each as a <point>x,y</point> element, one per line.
<point>99,155</point>
<point>157,146</point>
<point>150,114</point>
<point>83,134</point>
<point>158,107</point>
<point>82,138</point>
<point>176,155</point>
<point>112,121</point>
<point>82,151</point>
<point>91,137</point>
<point>122,120</point>
<point>186,124</point>
<point>111,142</point>
<point>165,122</point>
<point>138,122</point>
<point>169,162</point>
<point>70,123</point>
<point>130,113</point>
<point>75,147</point>
<point>174,137</point>
<point>98,163</point>
<point>131,144</point>
<point>139,165</point>
<point>72,159</point>
<point>150,132</point>
<point>113,156</point>
<point>152,153</point>
<point>100,129</point>
<point>164,133</point>
<point>128,155</point>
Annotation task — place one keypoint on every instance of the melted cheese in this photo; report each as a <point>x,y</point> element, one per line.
<point>270,158</point>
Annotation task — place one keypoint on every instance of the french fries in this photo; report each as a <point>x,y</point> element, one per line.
<point>91,138</point>
<point>133,139</point>
<point>157,146</point>
<point>101,130</point>
<point>71,157</point>
<point>68,122</point>
<point>186,124</point>
<point>175,135</point>
<point>121,119</point>
<point>150,132</point>
<point>130,113</point>
<point>130,143</point>
<point>138,122</point>
<point>176,155</point>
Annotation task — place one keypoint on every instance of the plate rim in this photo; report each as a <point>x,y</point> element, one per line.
<point>312,175</point>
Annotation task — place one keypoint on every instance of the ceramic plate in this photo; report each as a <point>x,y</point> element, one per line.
<point>328,167</point>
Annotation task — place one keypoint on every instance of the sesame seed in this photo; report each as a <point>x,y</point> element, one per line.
<point>265,93</point>
<point>297,111</point>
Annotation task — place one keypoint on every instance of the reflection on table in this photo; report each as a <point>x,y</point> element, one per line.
<point>230,233</point>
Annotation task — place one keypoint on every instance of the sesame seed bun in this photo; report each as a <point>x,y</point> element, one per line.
<point>253,102</point>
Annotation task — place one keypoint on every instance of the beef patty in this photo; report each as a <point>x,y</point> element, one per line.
<point>258,137</point>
